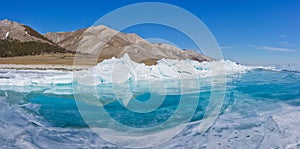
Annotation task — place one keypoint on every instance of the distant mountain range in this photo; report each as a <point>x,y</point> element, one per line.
<point>20,40</point>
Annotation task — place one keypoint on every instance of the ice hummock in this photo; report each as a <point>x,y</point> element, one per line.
<point>121,70</point>
<point>124,69</point>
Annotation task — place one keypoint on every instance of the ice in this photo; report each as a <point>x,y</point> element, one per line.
<point>22,129</point>
<point>248,121</point>
<point>165,70</point>
<point>124,69</point>
<point>288,124</point>
<point>290,67</point>
<point>60,90</point>
<point>274,128</point>
<point>32,80</point>
<point>121,70</point>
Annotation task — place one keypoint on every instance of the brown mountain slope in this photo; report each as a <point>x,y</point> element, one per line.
<point>20,40</point>
<point>96,42</point>
<point>107,43</point>
<point>20,32</point>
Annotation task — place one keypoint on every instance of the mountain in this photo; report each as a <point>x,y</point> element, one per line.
<point>20,40</point>
<point>112,43</point>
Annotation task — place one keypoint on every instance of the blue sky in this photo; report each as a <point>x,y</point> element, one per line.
<point>248,31</point>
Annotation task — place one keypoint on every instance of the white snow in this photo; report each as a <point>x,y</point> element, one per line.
<point>6,35</point>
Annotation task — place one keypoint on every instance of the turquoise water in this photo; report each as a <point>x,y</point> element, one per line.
<point>253,114</point>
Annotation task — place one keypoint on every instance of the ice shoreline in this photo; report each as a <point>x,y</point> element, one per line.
<point>126,61</point>
<point>117,70</point>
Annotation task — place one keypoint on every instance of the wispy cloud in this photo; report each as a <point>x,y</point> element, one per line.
<point>225,47</point>
<point>287,44</point>
<point>282,36</point>
<point>250,45</point>
<point>276,49</point>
